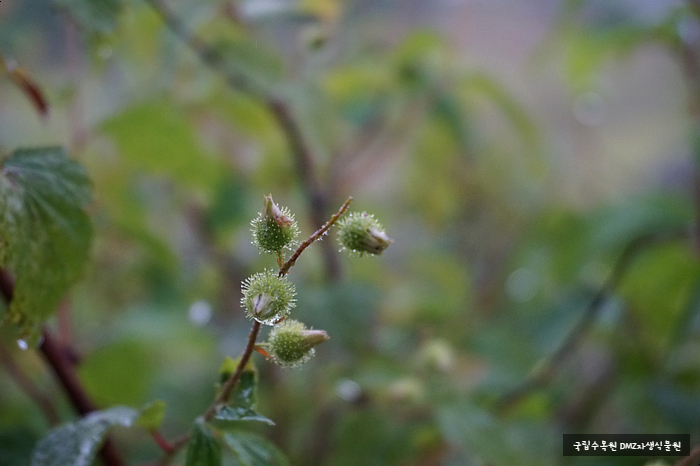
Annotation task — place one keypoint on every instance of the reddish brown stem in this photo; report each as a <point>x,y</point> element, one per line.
<point>292,260</point>
<point>161,442</point>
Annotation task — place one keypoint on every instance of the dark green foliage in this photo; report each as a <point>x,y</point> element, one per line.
<point>45,230</point>
<point>202,449</point>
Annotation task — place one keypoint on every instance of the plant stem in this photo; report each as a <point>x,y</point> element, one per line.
<point>292,260</point>
<point>235,377</point>
<point>161,442</point>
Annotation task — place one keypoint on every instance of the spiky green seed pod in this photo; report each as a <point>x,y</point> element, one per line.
<point>268,298</point>
<point>290,344</point>
<point>274,229</point>
<point>361,233</point>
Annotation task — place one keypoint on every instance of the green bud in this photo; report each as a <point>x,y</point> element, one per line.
<point>291,344</point>
<point>361,233</point>
<point>267,298</point>
<point>274,229</point>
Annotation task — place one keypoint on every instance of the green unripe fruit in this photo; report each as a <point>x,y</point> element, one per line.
<point>268,298</point>
<point>291,344</point>
<point>361,233</point>
<point>274,229</point>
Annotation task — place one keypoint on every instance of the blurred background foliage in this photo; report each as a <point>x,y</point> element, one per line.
<point>511,149</point>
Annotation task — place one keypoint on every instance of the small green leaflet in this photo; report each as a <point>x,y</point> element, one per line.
<point>45,232</point>
<point>202,449</point>
<point>152,415</point>
<point>76,443</point>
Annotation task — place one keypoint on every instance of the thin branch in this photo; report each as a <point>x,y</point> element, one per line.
<point>54,354</point>
<point>29,388</point>
<point>299,148</point>
<point>546,369</point>
<point>292,260</point>
<point>175,446</point>
<point>206,54</point>
<point>161,442</point>
<point>235,377</point>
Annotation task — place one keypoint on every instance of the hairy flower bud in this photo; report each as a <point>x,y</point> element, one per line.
<point>274,229</point>
<point>291,344</point>
<point>267,298</point>
<point>361,233</point>
<point>270,210</point>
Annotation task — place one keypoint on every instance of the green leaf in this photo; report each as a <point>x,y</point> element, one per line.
<point>252,450</point>
<point>152,415</point>
<point>228,367</point>
<point>203,449</point>
<point>239,413</point>
<point>93,15</point>
<point>76,443</point>
<point>158,137</point>
<point>45,232</point>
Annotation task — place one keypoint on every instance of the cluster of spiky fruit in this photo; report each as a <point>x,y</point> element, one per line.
<point>269,298</point>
